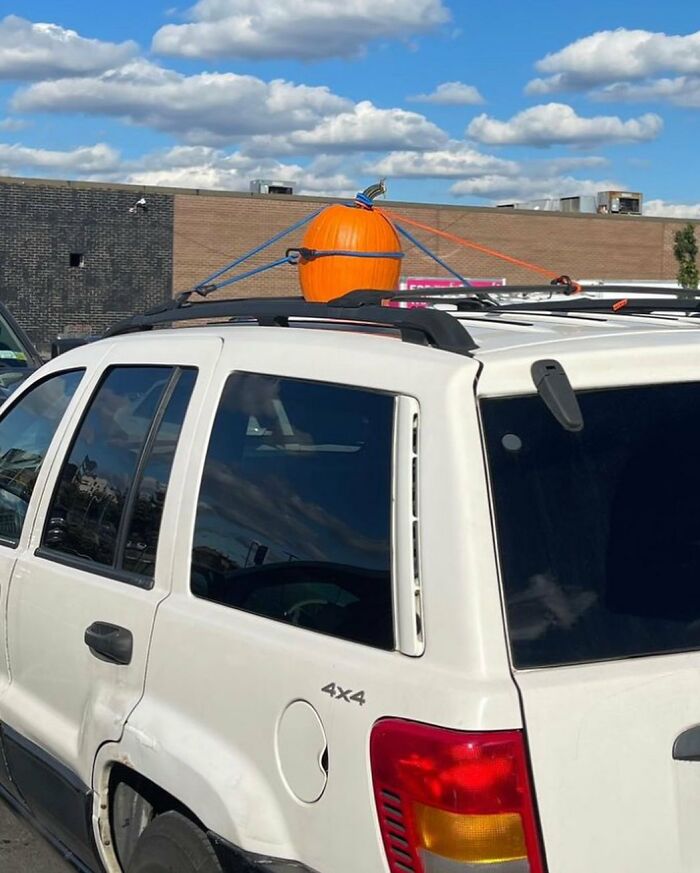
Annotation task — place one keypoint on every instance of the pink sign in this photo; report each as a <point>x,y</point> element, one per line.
<point>415,283</point>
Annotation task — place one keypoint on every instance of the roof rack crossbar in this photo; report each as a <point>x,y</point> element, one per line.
<point>426,326</point>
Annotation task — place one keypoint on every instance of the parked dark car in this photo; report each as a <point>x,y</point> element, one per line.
<point>18,355</point>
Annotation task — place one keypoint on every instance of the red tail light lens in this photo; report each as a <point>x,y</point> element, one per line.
<point>461,797</point>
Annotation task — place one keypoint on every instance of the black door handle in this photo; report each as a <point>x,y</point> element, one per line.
<point>687,745</point>
<point>109,642</point>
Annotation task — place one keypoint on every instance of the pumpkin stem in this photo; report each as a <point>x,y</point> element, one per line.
<point>375,190</point>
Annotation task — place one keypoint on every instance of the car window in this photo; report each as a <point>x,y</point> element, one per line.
<point>599,531</point>
<point>12,352</point>
<point>26,431</point>
<point>294,511</point>
<point>118,468</point>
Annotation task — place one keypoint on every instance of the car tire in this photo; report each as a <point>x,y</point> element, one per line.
<point>173,844</point>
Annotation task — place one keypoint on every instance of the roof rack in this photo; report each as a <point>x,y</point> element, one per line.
<point>422,326</point>
<point>623,299</point>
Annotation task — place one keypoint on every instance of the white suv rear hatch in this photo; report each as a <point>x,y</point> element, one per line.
<point>599,545</point>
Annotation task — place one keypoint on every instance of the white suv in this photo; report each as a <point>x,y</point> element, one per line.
<point>309,598</point>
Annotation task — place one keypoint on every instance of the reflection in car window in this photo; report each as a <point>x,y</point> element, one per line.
<point>25,434</point>
<point>599,530</point>
<point>144,527</point>
<point>88,504</point>
<point>294,511</point>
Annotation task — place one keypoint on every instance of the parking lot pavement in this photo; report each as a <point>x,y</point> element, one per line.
<point>22,851</point>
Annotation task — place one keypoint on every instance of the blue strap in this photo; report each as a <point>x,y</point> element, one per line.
<point>426,250</point>
<point>287,259</point>
<point>201,286</point>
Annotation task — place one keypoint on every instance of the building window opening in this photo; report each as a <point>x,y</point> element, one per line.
<point>76,259</point>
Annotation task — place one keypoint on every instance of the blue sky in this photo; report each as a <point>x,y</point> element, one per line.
<point>462,101</point>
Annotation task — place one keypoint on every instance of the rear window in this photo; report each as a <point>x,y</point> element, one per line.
<point>294,513</point>
<point>598,531</point>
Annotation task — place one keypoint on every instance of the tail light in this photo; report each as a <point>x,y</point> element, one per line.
<point>454,801</point>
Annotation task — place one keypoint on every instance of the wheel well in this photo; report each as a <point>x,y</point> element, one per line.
<point>134,801</point>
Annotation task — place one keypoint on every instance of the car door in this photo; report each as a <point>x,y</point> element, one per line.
<point>28,428</point>
<point>284,565</point>
<point>85,591</point>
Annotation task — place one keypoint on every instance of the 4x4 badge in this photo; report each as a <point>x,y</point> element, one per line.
<point>339,693</point>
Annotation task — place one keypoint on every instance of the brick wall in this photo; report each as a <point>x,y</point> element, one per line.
<point>135,261</point>
<point>211,229</point>
<point>127,257</point>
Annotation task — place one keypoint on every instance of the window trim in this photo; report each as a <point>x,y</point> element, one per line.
<point>14,401</point>
<point>394,396</point>
<point>144,458</point>
<point>88,566</point>
<point>407,586</point>
<point>115,571</point>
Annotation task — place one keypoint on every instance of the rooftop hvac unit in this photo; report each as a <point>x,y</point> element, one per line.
<point>582,203</point>
<point>268,186</point>
<point>549,204</point>
<point>620,202</point>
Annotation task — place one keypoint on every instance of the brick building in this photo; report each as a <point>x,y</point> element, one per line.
<point>76,256</point>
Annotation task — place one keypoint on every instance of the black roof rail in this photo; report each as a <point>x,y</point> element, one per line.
<point>621,305</point>
<point>483,293</point>
<point>465,299</point>
<point>423,326</point>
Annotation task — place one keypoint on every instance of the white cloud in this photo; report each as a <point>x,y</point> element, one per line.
<point>365,128</point>
<point>664,209</point>
<point>181,166</point>
<point>491,177</point>
<point>209,168</point>
<point>456,161</point>
<point>451,94</point>
<point>553,123</point>
<point>681,91</point>
<point>212,108</point>
<point>616,56</point>
<point>81,161</point>
<point>304,29</point>
<point>31,51</point>
<point>508,188</point>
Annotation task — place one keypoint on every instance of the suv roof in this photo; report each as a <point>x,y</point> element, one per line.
<point>465,322</point>
<point>504,331</point>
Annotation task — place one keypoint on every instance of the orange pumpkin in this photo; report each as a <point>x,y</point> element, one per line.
<point>358,228</point>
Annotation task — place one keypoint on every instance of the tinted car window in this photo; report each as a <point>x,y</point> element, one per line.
<point>599,531</point>
<point>92,492</point>
<point>25,434</point>
<point>12,351</point>
<point>294,511</point>
<point>139,554</point>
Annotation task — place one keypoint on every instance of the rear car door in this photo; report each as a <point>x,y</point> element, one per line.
<point>599,545</point>
<point>85,592</point>
<point>287,573</point>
